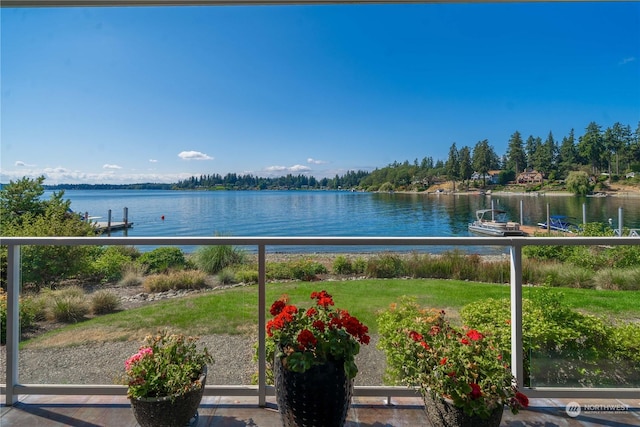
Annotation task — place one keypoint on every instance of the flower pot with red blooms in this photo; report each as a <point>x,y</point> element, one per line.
<point>461,372</point>
<point>314,360</point>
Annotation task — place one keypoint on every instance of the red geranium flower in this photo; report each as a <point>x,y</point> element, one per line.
<point>306,339</point>
<point>417,337</point>
<point>323,298</point>
<point>522,399</point>
<point>474,335</point>
<point>277,307</point>
<point>476,393</point>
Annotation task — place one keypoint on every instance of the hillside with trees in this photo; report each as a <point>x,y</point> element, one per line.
<point>598,160</point>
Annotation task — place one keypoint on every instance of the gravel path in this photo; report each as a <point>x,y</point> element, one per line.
<point>104,363</point>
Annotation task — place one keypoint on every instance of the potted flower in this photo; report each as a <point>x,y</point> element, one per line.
<point>166,379</point>
<point>314,362</point>
<point>462,374</point>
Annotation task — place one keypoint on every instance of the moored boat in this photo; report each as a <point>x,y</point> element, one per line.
<point>494,222</point>
<point>559,223</point>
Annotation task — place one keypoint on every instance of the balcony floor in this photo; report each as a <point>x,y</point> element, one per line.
<point>93,411</point>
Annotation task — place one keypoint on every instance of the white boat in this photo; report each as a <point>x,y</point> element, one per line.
<point>494,223</point>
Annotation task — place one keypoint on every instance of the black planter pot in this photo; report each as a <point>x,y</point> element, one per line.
<point>442,413</point>
<point>177,411</point>
<point>319,397</point>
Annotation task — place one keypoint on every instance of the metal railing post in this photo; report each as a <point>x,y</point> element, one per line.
<point>13,321</point>
<point>262,348</point>
<point>517,365</point>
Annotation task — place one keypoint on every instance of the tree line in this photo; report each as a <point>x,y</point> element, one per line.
<point>614,151</point>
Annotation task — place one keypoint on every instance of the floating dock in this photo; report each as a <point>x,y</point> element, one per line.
<point>104,227</point>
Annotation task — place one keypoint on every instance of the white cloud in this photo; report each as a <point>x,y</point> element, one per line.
<point>194,155</point>
<point>153,161</point>
<point>276,168</point>
<point>20,163</point>
<point>316,161</point>
<point>108,166</point>
<point>62,175</point>
<point>299,168</point>
<point>627,60</point>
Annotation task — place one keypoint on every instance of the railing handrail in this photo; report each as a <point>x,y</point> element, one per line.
<point>13,388</point>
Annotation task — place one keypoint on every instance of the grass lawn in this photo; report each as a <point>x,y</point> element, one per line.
<point>234,310</point>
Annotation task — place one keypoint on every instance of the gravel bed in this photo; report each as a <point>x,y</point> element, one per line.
<point>103,363</point>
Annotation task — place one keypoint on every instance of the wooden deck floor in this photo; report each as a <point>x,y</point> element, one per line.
<point>94,411</point>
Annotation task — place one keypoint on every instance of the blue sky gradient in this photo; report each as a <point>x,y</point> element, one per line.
<point>158,94</point>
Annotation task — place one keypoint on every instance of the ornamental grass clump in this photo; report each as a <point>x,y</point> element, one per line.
<point>166,366</point>
<point>445,362</point>
<point>306,338</point>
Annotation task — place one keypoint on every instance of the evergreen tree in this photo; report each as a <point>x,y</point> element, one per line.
<point>567,156</point>
<point>590,147</point>
<point>452,166</point>
<point>466,170</point>
<point>516,159</point>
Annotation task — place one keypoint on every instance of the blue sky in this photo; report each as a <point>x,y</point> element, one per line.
<point>123,95</point>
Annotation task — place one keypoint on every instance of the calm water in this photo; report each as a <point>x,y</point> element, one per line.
<point>328,213</point>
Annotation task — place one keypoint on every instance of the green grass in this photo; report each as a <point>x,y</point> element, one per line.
<point>234,311</point>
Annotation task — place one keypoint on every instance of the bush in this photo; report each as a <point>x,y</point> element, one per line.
<point>302,269</point>
<point>212,259</point>
<point>161,260</point>
<point>306,269</point>
<point>342,265</point>
<point>359,265</point>
<point>618,279</point>
<point>29,313</point>
<point>132,275</point>
<point>247,276</point>
<point>386,265</point>
<point>187,279</point>
<point>104,301</point>
<point>226,276</point>
<point>68,305</point>
<point>110,264</point>
<point>278,271</point>
<point>569,347</point>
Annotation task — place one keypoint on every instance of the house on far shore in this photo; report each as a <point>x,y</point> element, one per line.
<point>529,177</point>
<point>491,177</point>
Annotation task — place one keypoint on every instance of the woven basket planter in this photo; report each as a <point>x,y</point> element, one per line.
<point>319,397</point>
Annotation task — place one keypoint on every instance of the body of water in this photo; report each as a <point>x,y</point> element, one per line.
<point>330,213</point>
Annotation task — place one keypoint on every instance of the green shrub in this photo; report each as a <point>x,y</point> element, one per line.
<point>626,342</point>
<point>306,269</point>
<point>163,259</point>
<point>247,276</point>
<point>419,265</point>
<point>29,313</point>
<point>68,305</point>
<point>227,276</point>
<point>624,256</point>
<point>359,265</point>
<point>187,279</point>
<point>212,259</point>
<point>342,265</point>
<point>278,271</point>
<point>301,269</point>
<point>568,347</point>
<point>104,301</point>
<point>386,265</point>
<point>110,264</point>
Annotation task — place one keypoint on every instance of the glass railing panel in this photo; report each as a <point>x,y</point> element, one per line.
<point>580,328</point>
<point>70,335</point>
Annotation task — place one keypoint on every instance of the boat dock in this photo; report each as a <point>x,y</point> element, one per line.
<point>105,227</point>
